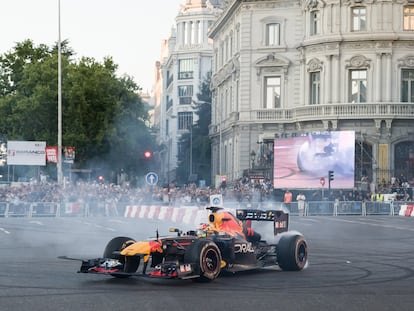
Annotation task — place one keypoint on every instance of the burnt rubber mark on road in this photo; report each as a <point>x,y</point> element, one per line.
<point>4,231</point>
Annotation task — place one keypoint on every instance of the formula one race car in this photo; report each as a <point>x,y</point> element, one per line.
<point>227,242</point>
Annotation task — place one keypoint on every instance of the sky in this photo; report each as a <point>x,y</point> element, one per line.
<point>130,31</point>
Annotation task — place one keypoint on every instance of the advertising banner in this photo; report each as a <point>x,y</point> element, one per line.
<point>26,153</point>
<point>52,154</point>
<point>69,154</point>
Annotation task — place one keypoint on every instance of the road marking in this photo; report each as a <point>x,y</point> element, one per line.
<point>117,221</point>
<point>4,230</point>
<point>103,227</point>
<point>374,224</point>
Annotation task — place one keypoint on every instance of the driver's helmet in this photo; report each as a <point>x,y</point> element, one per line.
<point>202,230</point>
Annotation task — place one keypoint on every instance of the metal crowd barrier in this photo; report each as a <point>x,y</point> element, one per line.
<point>29,209</point>
<point>312,208</point>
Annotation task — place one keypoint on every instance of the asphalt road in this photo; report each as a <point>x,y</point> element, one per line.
<point>355,263</point>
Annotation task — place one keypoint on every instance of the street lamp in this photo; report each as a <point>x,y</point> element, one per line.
<point>253,157</point>
<point>59,153</point>
<point>191,149</point>
<point>220,139</point>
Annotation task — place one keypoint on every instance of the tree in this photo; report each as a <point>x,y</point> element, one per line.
<point>201,143</point>
<point>103,116</point>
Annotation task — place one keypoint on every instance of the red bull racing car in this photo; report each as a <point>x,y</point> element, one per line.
<point>227,243</point>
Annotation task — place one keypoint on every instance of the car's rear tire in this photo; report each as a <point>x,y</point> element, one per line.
<point>292,252</point>
<point>131,264</point>
<point>207,256</point>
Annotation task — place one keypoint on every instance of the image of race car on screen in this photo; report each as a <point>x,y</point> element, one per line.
<point>228,242</point>
<point>328,151</point>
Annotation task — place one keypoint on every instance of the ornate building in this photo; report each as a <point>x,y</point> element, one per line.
<point>281,67</point>
<point>187,57</point>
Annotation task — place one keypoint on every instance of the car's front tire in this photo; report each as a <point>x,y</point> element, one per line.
<point>117,244</point>
<point>207,255</point>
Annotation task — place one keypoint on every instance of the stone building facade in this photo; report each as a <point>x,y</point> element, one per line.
<point>186,61</point>
<point>282,67</point>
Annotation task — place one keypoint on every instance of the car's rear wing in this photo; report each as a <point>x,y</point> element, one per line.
<point>280,218</point>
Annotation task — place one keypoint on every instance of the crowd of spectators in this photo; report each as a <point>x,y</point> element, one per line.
<point>89,192</point>
<point>242,191</point>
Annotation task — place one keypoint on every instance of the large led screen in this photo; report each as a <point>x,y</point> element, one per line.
<point>303,160</point>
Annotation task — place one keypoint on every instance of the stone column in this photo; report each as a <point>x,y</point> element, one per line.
<point>378,70</point>
<point>328,79</point>
<point>388,78</point>
<point>336,74</point>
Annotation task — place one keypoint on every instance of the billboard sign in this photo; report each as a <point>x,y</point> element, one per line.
<point>301,160</point>
<point>26,153</point>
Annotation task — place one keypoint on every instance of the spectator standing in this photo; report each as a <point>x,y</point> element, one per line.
<point>301,203</point>
<point>288,198</point>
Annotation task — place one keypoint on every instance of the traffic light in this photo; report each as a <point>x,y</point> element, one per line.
<point>223,182</point>
<point>147,154</point>
<point>331,176</point>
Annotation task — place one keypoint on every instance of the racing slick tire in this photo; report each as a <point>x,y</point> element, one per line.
<point>131,264</point>
<point>207,255</point>
<point>292,252</point>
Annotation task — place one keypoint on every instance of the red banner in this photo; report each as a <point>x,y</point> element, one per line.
<point>52,154</point>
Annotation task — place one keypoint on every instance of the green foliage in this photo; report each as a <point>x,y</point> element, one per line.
<point>103,116</point>
<point>201,150</point>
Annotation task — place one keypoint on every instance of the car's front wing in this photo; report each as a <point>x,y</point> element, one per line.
<point>115,268</point>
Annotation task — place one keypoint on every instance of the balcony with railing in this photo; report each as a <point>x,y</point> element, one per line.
<point>341,111</point>
<point>389,110</point>
<point>185,75</point>
<point>186,100</point>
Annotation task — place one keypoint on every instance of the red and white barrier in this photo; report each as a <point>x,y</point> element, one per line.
<point>406,210</point>
<point>192,215</point>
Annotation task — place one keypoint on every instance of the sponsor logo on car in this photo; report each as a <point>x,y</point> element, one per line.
<point>243,248</point>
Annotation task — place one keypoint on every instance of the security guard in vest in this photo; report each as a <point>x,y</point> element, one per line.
<point>379,197</point>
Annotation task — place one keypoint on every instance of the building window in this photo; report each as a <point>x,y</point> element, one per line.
<point>185,120</point>
<point>222,54</point>
<point>238,40</point>
<point>359,19</point>
<point>273,34</point>
<point>407,85</point>
<point>315,23</point>
<point>185,68</point>
<point>358,85</point>
<point>169,102</point>
<point>315,88</point>
<point>226,50</point>
<point>272,92</point>
<point>185,92</point>
<point>409,17</point>
<point>167,127</point>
